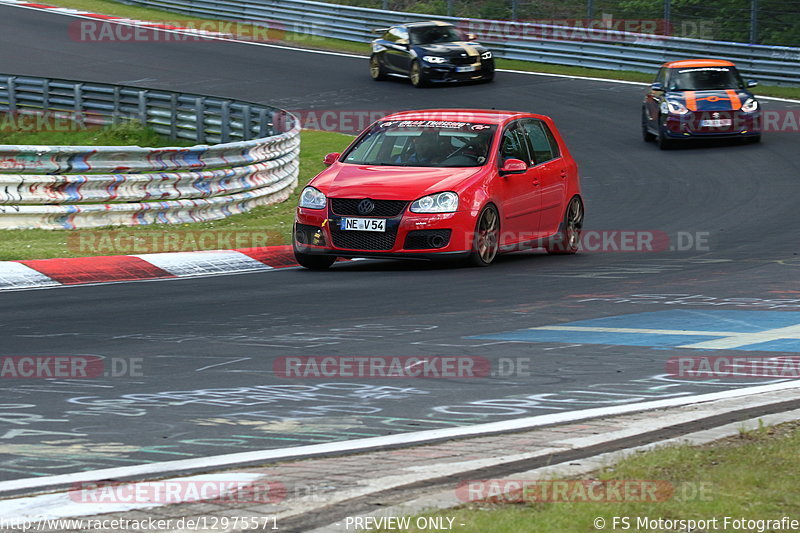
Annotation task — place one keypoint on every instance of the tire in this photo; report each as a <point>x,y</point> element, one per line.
<point>376,70</point>
<point>646,135</point>
<point>486,240</point>
<point>664,143</point>
<point>418,78</point>
<point>314,262</point>
<point>568,239</point>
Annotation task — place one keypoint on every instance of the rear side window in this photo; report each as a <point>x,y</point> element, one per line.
<point>543,145</point>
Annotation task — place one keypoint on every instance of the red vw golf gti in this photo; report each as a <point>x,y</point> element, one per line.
<point>441,184</point>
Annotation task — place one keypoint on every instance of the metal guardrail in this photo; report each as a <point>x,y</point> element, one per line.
<point>67,187</point>
<point>596,48</point>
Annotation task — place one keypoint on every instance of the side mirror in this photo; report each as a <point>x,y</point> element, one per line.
<point>752,83</point>
<point>513,166</point>
<point>331,158</point>
<point>657,86</point>
<point>472,37</point>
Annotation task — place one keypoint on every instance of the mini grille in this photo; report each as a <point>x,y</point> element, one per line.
<point>383,208</point>
<point>426,239</point>
<point>304,233</point>
<point>364,240</point>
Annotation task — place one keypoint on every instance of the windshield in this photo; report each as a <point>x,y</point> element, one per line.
<point>435,34</point>
<point>705,79</point>
<point>423,143</point>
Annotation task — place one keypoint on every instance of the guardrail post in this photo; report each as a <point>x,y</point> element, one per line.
<point>173,117</point>
<point>262,123</point>
<point>46,94</point>
<point>225,119</point>
<point>12,94</point>
<point>142,96</point>
<point>77,105</point>
<point>115,113</point>
<point>247,127</point>
<point>200,120</point>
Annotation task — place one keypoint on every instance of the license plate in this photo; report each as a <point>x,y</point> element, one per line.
<point>363,224</point>
<point>716,123</point>
<point>468,68</point>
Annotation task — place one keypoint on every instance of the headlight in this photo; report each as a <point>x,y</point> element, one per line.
<point>311,198</point>
<point>750,105</point>
<point>486,55</point>
<point>434,59</point>
<point>443,202</point>
<point>673,107</point>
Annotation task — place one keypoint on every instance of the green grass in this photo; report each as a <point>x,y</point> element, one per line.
<point>274,220</point>
<point>111,7</point>
<point>752,475</point>
<point>71,134</point>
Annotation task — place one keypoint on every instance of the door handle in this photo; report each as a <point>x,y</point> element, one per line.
<point>563,173</point>
<point>536,183</point>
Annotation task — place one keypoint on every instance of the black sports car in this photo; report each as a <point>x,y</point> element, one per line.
<point>429,52</point>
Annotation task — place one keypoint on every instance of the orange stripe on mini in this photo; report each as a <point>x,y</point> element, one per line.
<point>736,104</point>
<point>691,101</point>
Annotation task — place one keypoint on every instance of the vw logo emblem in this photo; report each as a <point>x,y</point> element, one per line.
<point>366,206</point>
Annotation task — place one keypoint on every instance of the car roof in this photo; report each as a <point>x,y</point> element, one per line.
<point>425,24</point>
<point>484,116</point>
<point>689,63</point>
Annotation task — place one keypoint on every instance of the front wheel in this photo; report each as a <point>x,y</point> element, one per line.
<point>646,135</point>
<point>568,238</point>
<point>376,69</point>
<point>486,240</point>
<point>664,142</point>
<point>314,262</point>
<point>418,78</point>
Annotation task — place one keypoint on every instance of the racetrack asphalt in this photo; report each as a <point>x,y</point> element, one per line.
<point>207,347</point>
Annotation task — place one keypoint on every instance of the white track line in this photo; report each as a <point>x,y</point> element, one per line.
<point>375,442</point>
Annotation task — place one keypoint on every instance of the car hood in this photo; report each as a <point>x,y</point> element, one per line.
<point>453,49</point>
<point>717,100</point>
<point>389,183</point>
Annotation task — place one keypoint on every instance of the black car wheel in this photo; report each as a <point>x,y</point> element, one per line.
<point>418,78</point>
<point>313,262</point>
<point>646,135</point>
<point>486,241</point>
<point>664,142</point>
<point>376,69</point>
<point>568,238</point>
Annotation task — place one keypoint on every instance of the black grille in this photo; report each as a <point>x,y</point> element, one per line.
<point>364,240</point>
<point>383,208</point>
<point>463,60</point>
<point>426,239</point>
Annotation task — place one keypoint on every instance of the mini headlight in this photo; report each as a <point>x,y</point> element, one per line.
<point>443,202</point>
<point>312,198</point>
<point>750,105</point>
<point>673,107</point>
<point>434,59</point>
<point>486,55</point>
